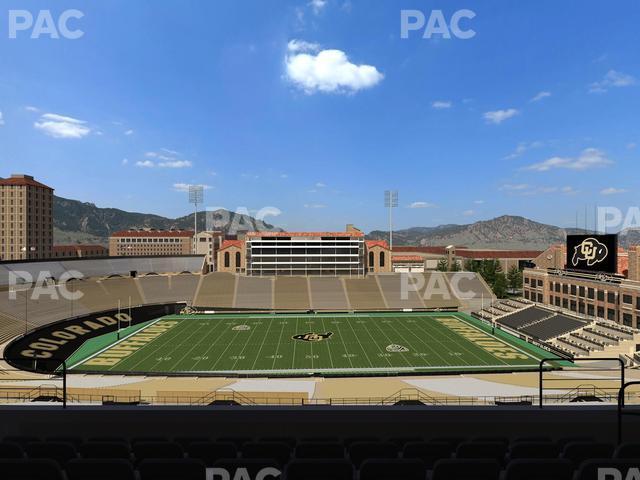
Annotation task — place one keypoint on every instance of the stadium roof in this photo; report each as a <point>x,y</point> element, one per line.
<point>231,243</point>
<point>153,233</point>
<point>305,234</point>
<point>377,243</point>
<point>22,180</point>
<point>469,253</point>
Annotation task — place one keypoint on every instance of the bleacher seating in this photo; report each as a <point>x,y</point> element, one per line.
<point>524,317</point>
<point>553,327</point>
<point>298,459</point>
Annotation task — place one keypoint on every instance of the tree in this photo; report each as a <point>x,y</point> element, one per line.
<point>443,265</point>
<point>500,285</point>
<point>455,266</point>
<point>514,278</point>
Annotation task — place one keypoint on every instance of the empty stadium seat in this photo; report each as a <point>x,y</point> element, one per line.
<point>400,442</point>
<point>21,440</point>
<point>627,450</point>
<point>11,450</point>
<point>428,452</point>
<point>534,450</point>
<point>466,469</point>
<point>30,469</point>
<point>351,440</point>
<point>360,451</point>
<point>251,465</point>
<point>393,469</point>
<point>319,450</point>
<point>172,469</point>
<point>490,450</point>
<point>539,469</point>
<point>105,450</point>
<point>61,452</point>
<point>100,469</point>
<point>324,469</point>
<point>578,452</point>
<point>186,441</point>
<point>149,450</point>
<point>237,441</point>
<point>211,452</point>
<point>589,468</point>
<point>277,451</point>
<point>288,440</point>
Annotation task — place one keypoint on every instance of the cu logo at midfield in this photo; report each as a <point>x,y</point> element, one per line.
<point>590,250</point>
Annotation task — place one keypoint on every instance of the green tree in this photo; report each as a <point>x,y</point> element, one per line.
<point>443,265</point>
<point>514,278</point>
<point>500,285</point>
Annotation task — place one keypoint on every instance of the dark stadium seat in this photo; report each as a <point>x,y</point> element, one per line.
<point>251,465</point>
<point>137,440</point>
<point>105,450</point>
<point>466,469</point>
<point>237,441</point>
<point>578,452</point>
<point>320,439</point>
<point>360,451</point>
<point>172,469</point>
<point>503,440</point>
<point>320,469</point>
<point>100,469</point>
<point>31,469</point>
<point>347,442</point>
<point>589,468</point>
<point>489,450</point>
<point>61,452</point>
<point>393,469</point>
<point>291,441</point>
<point>565,440</point>
<point>211,452</point>
<point>453,441</point>
<point>186,441</point>
<point>531,439</point>
<point>11,450</point>
<point>75,441</point>
<point>400,442</point>
<point>627,450</point>
<point>534,450</point>
<point>428,452</point>
<point>20,439</point>
<point>148,450</point>
<point>319,450</point>
<point>539,469</point>
<point>277,451</point>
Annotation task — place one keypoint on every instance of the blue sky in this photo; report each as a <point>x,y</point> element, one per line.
<point>316,107</point>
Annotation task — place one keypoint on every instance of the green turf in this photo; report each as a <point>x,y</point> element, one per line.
<point>359,344</point>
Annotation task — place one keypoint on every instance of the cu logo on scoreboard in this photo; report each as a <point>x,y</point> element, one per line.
<point>591,251</point>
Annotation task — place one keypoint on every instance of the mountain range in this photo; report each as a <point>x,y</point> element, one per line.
<point>80,222</point>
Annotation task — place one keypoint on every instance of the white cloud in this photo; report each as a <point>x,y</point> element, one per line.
<point>468,213</point>
<point>317,6</point>
<point>612,191</point>
<point>612,78</point>
<point>314,205</point>
<point>145,164</point>
<point>296,46</point>
<point>478,202</point>
<point>327,71</point>
<point>514,187</point>
<point>284,175</point>
<point>498,116</point>
<point>588,158</point>
<point>1,119</point>
<point>184,187</point>
<point>30,108</point>
<point>125,161</point>
<point>164,159</point>
<point>524,189</point>
<point>631,146</point>
<point>128,132</point>
<point>60,126</point>
<point>421,205</point>
<point>540,96</point>
<point>522,148</point>
<point>441,104</point>
<point>320,185</point>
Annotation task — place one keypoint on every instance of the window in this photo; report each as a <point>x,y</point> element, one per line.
<point>611,314</point>
<point>627,319</point>
<point>238,262</point>
<point>382,259</point>
<point>600,296</point>
<point>611,297</point>
<point>370,259</point>
<point>626,298</point>
<point>573,289</point>
<point>226,259</point>
<point>590,292</point>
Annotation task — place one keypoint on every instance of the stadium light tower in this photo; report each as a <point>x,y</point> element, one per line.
<point>390,202</point>
<point>196,197</point>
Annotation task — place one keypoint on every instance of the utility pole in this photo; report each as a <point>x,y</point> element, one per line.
<point>196,197</point>
<point>391,202</point>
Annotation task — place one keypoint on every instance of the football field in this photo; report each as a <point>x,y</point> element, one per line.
<point>385,343</point>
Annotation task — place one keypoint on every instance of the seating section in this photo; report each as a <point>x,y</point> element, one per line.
<point>364,293</point>
<point>310,459</point>
<point>553,327</point>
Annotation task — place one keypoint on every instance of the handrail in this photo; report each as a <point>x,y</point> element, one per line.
<point>621,394</point>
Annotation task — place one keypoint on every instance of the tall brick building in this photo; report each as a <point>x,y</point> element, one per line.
<point>26,218</point>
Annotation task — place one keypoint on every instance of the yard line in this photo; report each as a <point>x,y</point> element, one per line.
<point>196,330</point>
<point>345,345</point>
<point>324,330</point>
<point>254,329</point>
<point>266,337</point>
<point>374,343</point>
<point>275,355</point>
<point>429,348</point>
<point>437,332</point>
<point>231,342</point>
<point>402,355</point>
<point>219,337</point>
